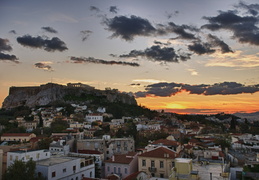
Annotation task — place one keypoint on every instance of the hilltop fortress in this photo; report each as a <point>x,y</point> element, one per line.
<point>50,93</point>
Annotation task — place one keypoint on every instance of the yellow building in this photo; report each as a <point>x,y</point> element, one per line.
<point>157,162</point>
<point>22,137</point>
<point>183,170</point>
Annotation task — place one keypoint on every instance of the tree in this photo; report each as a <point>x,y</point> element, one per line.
<point>20,170</point>
<point>44,143</point>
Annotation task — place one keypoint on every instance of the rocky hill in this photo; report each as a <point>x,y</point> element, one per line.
<point>50,93</point>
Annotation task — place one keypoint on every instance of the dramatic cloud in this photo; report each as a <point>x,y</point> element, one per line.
<point>252,8</point>
<point>81,60</point>
<point>50,30</point>
<point>4,46</point>
<point>244,28</point>
<point>161,43</point>
<point>54,44</point>
<point>44,66</point>
<point>113,9</point>
<point>93,8</point>
<point>181,31</point>
<point>201,48</point>
<point>165,89</point>
<point>12,32</point>
<point>217,42</point>
<point>129,27</point>
<point>85,34</point>
<point>156,53</point>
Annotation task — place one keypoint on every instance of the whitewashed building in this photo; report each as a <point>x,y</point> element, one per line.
<point>93,117</point>
<point>25,155</point>
<point>66,168</point>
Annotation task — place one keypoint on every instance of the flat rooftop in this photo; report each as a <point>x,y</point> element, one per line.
<point>55,160</point>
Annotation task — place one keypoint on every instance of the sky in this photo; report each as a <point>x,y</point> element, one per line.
<point>198,57</point>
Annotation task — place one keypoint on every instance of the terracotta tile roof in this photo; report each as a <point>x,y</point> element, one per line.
<point>166,142</point>
<point>16,134</point>
<point>113,177</point>
<point>132,176</point>
<point>188,146</point>
<point>159,153</point>
<point>86,151</point>
<point>122,158</point>
<point>35,139</point>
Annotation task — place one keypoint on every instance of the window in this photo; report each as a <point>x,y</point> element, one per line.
<point>143,162</point>
<point>91,174</point>
<point>114,169</point>
<point>108,168</point>
<point>161,164</point>
<point>162,175</point>
<point>152,163</point>
<point>53,174</point>
<point>74,168</point>
<point>64,170</point>
<point>126,171</point>
<point>11,158</point>
<point>119,170</point>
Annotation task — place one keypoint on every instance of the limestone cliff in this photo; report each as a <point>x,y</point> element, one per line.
<point>72,93</point>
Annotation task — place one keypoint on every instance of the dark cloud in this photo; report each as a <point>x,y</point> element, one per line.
<point>251,8</point>
<point>85,34</point>
<point>201,48</point>
<point>156,53</point>
<point>161,43</point>
<point>114,9</point>
<point>12,32</point>
<point>50,30</point>
<point>54,44</point>
<point>181,31</point>
<point>135,84</point>
<point>44,66</point>
<point>217,42</point>
<point>4,46</point>
<point>244,28</point>
<point>8,57</point>
<point>165,89</point>
<point>129,27</point>
<point>94,8</point>
<point>81,60</point>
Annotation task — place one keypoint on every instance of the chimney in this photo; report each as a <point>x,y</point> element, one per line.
<point>113,158</point>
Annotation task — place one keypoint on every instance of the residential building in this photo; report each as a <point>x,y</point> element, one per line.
<point>94,117</point>
<point>122,164</point>
<point>22,137</point>
<point>65,168</point>
<point>183,170</point>
<point>59,147</point>
<point>174,145</point>
<point>157,162</point>
<point>25,155</point>
<point>107,145</point>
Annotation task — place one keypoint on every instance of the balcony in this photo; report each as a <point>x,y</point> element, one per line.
<point>152,169</point>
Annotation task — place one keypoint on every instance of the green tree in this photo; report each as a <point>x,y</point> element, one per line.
<point>44,143</point>
<point>20,170</point>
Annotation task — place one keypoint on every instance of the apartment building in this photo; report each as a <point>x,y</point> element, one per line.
<point>65,168</point>
<point>22,137</point>
<point>122,164</point>
<point>107,145</point>
<point>157,162</point>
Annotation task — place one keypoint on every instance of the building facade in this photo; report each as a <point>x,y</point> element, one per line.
<point>157,162</point>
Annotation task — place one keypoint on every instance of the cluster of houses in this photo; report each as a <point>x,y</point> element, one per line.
<point>78,155</point>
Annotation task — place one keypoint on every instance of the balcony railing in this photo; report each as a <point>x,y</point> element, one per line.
<point>152,169</point>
